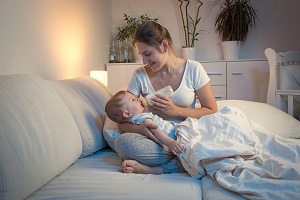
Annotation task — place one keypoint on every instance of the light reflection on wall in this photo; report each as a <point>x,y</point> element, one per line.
<point>55,39</point>
<point>67,37</point>
<point>69,48</point>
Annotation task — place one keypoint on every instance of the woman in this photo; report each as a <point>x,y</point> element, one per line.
<point>137,146</point>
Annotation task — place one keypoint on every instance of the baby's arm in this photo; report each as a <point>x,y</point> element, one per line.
<point>173,145</point>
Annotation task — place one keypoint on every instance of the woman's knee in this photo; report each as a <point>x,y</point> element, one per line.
<point>124,145</point>
<point>124,141</point>
<point>137,147</point>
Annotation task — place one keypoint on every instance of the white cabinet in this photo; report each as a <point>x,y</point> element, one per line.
<point>217,74</point>
<point>239,79</point>
<point>248,80</point>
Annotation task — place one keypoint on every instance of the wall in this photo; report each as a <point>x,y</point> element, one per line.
<point>60,39</point>
<point>277,27</point>
<point>56,39</point>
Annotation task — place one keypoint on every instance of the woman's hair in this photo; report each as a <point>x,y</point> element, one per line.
<point>113,108</point>
<point>152,33</point>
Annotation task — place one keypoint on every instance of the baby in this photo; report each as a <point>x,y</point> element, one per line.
<point>125,107</point>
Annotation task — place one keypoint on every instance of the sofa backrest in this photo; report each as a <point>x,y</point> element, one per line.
<point>86,98</point>
<point>38,135</point>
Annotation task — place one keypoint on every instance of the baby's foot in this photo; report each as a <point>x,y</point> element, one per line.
<point>132,166</point>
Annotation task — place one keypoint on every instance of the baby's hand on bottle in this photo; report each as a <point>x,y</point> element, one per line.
<point>175,147</point>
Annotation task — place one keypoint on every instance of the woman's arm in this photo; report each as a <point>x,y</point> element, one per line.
<point>206,98</point>
<point>142,129</point>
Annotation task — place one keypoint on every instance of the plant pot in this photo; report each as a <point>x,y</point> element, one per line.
<point>231,50</point>
<point>189,52</point>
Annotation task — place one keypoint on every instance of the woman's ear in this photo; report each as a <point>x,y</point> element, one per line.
<point>164,44</point>
<point>127,114</point>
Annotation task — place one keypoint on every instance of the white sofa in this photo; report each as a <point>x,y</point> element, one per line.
<point>50,137</point>
<point>52,146</point>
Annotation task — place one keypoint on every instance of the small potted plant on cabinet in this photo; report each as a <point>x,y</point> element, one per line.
<point>189,28</point>
<point>126,32</point>
<point>234,22</point>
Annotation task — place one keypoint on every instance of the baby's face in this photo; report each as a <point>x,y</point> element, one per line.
<point>133,104</point>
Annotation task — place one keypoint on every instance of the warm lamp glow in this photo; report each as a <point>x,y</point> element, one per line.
<point>100,76</point>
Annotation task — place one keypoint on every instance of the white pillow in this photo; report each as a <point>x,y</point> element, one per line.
<point>271,118</point>
<point>86,99</point>
<point>110,132</point>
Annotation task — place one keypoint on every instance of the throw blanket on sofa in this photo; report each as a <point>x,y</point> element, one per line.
<point>242,157</point>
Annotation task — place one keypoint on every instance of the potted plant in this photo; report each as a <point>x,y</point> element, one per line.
<point>126,31</point>
<point>234,22</point>
<point>189,25</point>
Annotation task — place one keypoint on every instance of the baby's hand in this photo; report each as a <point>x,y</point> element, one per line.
<point>175,147</point>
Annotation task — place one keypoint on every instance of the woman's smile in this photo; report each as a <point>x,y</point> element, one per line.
<point>151,64</point>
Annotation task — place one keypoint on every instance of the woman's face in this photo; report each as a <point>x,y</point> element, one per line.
<point>151,56</point>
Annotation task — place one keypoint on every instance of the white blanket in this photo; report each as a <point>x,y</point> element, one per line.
<point>242,157</point>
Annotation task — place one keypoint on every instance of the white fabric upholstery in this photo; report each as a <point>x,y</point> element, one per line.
<point>38,138</point>
<point>111,131</point>
<point>212,190</point>
<point>271,118</point>
<point>99,177</point>
<point>86,99</point>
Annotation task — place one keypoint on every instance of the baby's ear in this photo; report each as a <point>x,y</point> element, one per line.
<point>127,114</point>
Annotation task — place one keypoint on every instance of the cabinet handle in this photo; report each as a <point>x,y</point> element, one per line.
<point>236,73</point>
<point>214,73</point>
<point>218,97</point>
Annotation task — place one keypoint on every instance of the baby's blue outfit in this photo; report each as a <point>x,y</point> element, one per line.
<point>166,126</point>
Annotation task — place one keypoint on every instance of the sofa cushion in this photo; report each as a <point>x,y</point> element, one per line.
<point>86,99</point>
<point>38,135</point>
<point>271,118</point>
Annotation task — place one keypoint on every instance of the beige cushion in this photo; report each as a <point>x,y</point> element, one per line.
<point>38,135</point>
<point>86,99</point>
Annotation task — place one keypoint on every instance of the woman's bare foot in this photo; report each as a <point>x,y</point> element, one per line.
<point>132,166</point>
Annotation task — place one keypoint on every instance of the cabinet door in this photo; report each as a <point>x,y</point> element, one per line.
<point>247,80</point>
<point>219,92</point>
<point>217,74</point>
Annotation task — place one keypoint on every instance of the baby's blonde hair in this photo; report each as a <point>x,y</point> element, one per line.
<point>113,108</point>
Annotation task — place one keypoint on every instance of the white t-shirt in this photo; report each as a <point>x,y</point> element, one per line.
<point>194,78</point>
